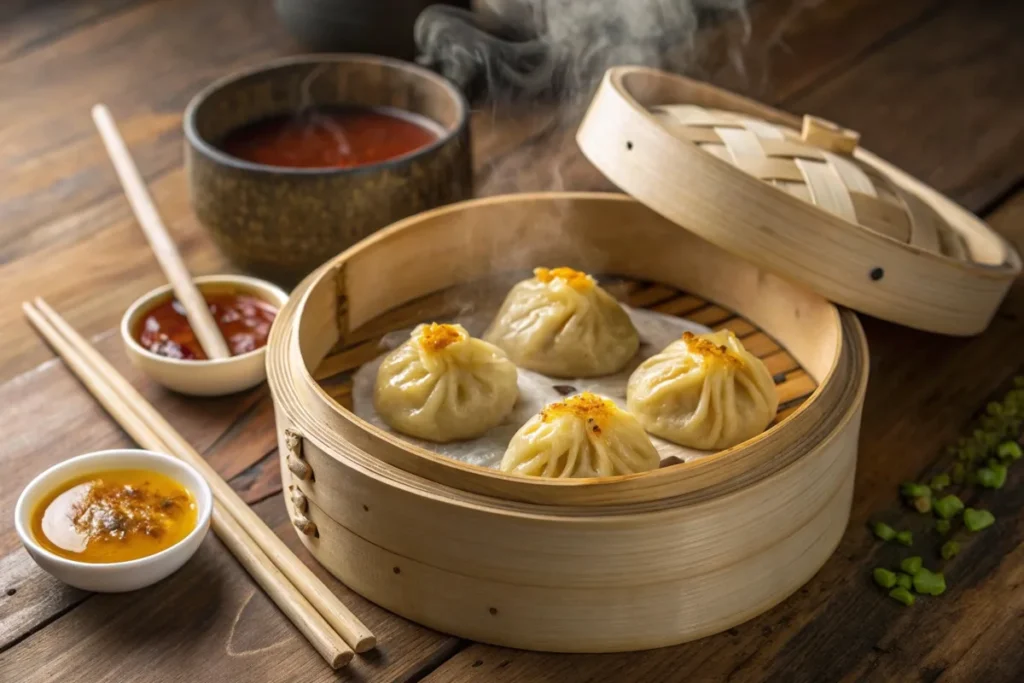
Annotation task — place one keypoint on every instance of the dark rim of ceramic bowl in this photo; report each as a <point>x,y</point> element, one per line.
<point>201,144</point>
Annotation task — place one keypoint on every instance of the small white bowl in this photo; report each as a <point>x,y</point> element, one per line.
<point>114,577</point>
<point>201,377</point>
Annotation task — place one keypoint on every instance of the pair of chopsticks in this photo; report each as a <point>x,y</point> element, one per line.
<point>185,290</point>
<point>328,625</point>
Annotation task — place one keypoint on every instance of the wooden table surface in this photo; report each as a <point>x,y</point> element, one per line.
<point>933,86</point>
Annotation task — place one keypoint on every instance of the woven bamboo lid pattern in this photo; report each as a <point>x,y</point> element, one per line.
<point>816,167</point>
<point>810,204</point>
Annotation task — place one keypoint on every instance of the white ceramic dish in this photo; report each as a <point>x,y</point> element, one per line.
<point>114,577</point>
<point>201,377</point>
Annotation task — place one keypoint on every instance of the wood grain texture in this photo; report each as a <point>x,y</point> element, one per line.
<point>30,598</point>
<point>66,422</point>
<point>943,102</point>
<point>31,25</point>
<point>946,106</point>
<point>61,209</point>
<point>794,45</point>
<point>209,622</point>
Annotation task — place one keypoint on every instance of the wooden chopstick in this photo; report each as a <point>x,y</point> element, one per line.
<point>196,309</point>
<point>312,625</point>
<point>326,603</point>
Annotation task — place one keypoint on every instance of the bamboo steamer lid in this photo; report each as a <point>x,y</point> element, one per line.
<point>798,198</point>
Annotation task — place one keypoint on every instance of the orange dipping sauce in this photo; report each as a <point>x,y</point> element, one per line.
<point>331,138</point>
<point>244,320</point>
<point>114,516</point>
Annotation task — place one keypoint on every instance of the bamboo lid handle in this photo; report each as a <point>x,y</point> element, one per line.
<point>829,136</point>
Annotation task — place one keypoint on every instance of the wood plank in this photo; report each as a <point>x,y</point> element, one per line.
<point>912,406</point>
<point>209,621</point>
<point>236,436</point>
<point>76,278</point>
<point>58,165</point>
<point>923,391</point>
<point>33,24</point>
<point>30,598</point>
<point>65,230</point>
<point>51,417</point>
<point>795,44</point>
<point>792,45</point>
<point>959,132</point>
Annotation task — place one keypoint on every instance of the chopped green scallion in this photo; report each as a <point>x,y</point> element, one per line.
<point>929,583</point>
<point>992,424</point>
<point>904,580</point>
<point>884,531</point>
<point>943,526</point>
<point>948,507</point>
<point>884,577</point>
<point>914,490</point>
<point>991,477</point>
<point>1010,450</point>
<point>949,550</point>
<point>939,482</point>
<point>901,594</point>
<point>976,520</point>
<point>923,504</point>
<point>905,538</point>
<point>911,565</point>
<point>959,473</point>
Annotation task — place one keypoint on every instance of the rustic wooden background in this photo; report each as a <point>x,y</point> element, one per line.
<point>934,86</point>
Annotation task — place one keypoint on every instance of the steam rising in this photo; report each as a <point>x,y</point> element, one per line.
<point>525,48</point>
<point>527,54</point>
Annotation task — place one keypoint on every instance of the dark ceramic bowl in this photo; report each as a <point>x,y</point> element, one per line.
<point>281,223</point>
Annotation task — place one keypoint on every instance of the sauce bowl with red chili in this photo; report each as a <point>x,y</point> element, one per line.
<point>293,162</point>
<point>160,341</point>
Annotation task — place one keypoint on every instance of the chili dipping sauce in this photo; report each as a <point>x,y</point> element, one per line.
<point>244,321</point>
<point>331,137</point>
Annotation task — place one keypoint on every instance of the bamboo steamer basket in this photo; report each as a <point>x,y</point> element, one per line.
<point>807,204</point>
<point>739,220</point>
<point>585,565</point>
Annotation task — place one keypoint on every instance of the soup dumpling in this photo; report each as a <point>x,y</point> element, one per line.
<point>582,436</point>
<point>443,385</point>
<point>703,391</point>
<point>562,324</point>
